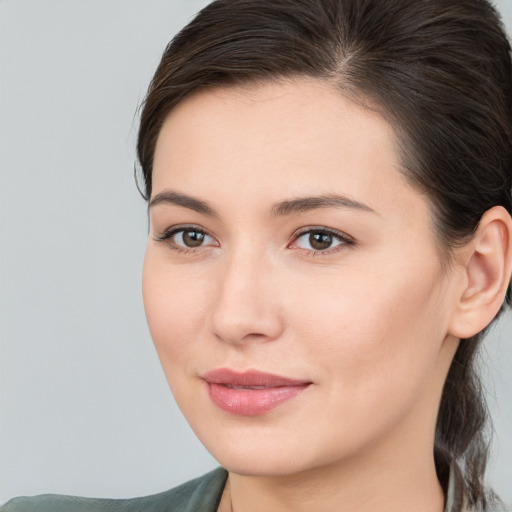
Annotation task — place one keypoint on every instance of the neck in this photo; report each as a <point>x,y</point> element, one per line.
<point>402,483</point>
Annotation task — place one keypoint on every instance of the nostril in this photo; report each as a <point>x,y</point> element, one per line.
<point>245,324</point>
<point>240,333</point>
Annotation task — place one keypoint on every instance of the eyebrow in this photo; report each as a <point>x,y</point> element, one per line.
<point>280,209</point>
<point>305,204</point>
<point>175,198</point>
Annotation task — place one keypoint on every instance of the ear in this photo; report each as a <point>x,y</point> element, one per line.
<point>486,265</point>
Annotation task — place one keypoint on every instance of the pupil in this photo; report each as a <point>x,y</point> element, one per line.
<point>193,238</point>
<point>320,241</point>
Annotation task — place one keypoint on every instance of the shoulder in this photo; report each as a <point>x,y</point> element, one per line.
<point>198,495</point>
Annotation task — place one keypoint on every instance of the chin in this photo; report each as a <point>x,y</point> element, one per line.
<point>261,466</point>
<point>272,456</point>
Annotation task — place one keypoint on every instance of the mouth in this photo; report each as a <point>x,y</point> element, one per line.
<point>251,393</point>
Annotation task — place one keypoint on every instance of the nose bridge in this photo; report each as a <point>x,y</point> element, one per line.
<point>245,307</point>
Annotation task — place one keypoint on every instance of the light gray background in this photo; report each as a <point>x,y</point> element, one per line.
<point>84,405</point>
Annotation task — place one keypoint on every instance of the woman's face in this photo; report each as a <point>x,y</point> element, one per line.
<point>284,240</point>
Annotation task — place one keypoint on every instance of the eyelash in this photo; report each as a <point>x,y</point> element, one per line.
<point>167,236</point>
<point>344,239</point>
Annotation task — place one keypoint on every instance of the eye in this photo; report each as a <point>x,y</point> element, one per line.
<point>320,240</point>
<point>184,238</point>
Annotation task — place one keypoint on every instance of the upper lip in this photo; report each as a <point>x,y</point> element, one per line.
<point>250,378</point>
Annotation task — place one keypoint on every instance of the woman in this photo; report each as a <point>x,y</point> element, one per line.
<point>329,186</point>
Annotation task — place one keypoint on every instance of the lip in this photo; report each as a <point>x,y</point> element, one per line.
<point>251,393</point>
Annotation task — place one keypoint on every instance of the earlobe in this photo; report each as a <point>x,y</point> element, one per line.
<point>487,265</point>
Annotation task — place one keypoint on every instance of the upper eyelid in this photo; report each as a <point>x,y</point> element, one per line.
<point>322,229</point>
<point>172,230</point>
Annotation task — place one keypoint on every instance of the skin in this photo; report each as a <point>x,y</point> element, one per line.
<point>369,322</point>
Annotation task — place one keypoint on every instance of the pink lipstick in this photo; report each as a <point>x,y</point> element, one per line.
<point>250,393</point>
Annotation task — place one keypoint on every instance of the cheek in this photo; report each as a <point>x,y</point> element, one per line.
<point>371,332</point>
<point>375,346</point>
<point>173,303</point>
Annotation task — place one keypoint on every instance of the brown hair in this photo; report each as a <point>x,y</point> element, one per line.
<point>438,70</point>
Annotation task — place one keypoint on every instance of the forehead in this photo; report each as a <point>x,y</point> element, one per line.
<point>278,126</point>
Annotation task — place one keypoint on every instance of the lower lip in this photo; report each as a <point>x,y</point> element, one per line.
<point>252,402</point>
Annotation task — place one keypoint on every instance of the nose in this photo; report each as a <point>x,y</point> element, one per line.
<point>246,307</point>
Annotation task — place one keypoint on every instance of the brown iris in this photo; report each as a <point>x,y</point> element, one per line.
<point>320,241</point>
<point>193,238</point>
